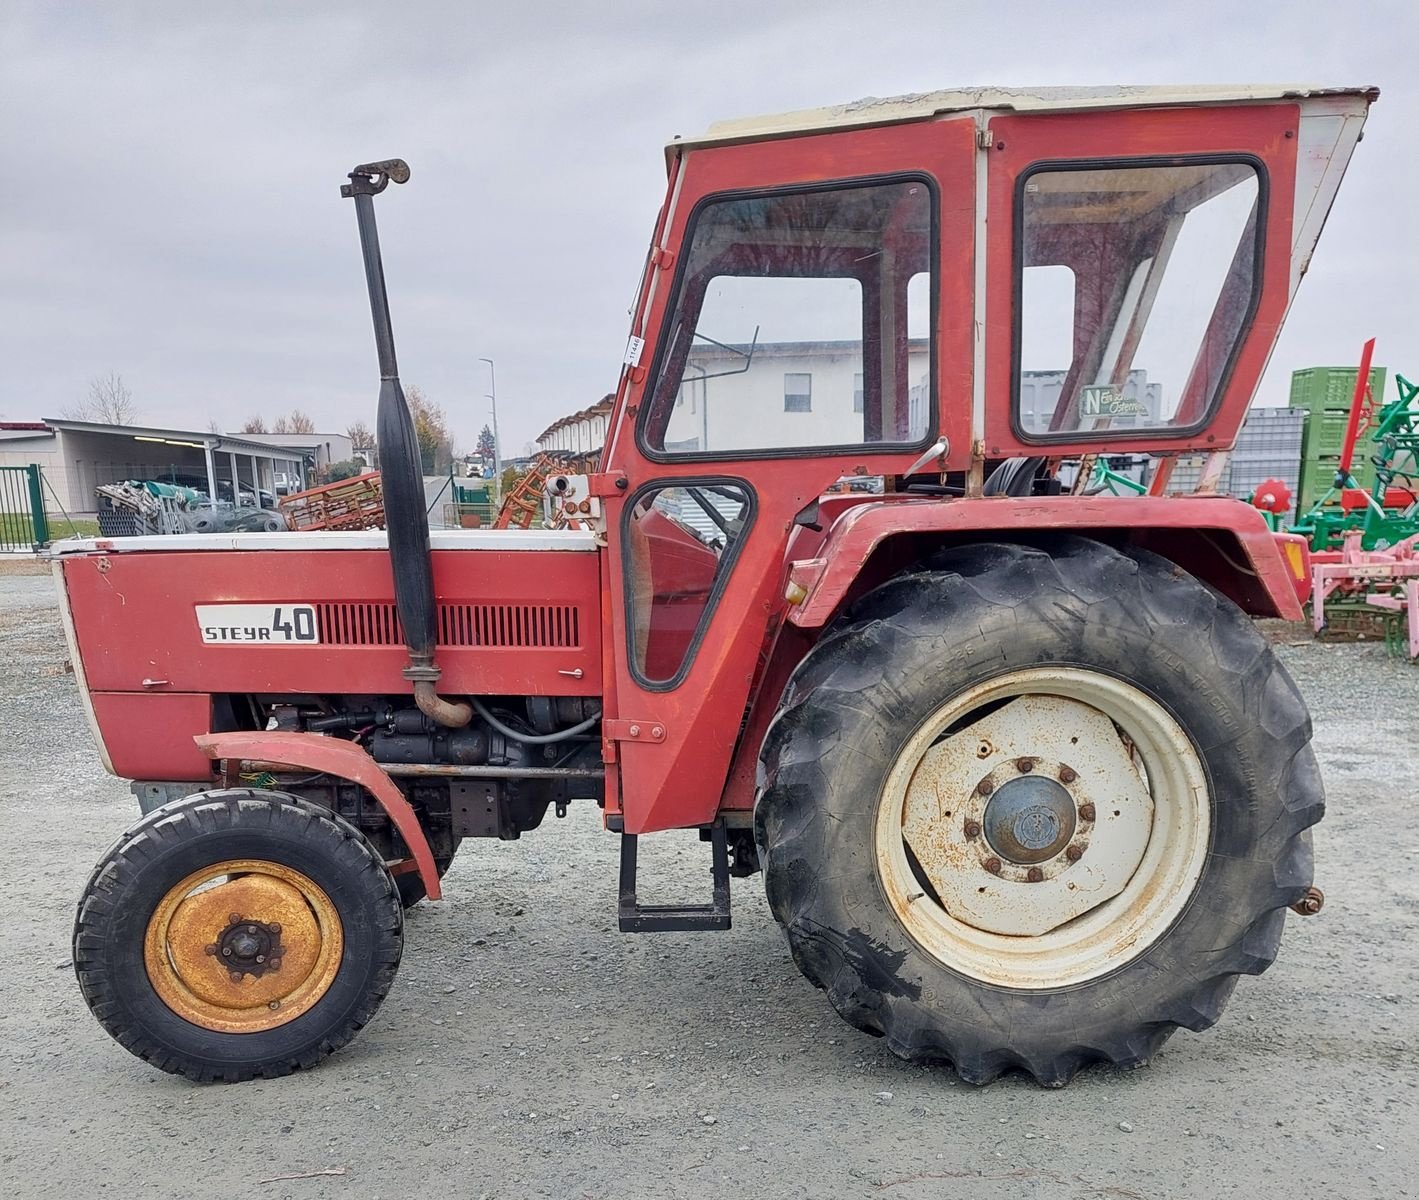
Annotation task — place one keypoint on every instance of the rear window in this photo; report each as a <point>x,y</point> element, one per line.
<point>1136,284</point>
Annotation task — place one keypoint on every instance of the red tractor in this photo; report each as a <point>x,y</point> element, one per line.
<point>1027,788</point>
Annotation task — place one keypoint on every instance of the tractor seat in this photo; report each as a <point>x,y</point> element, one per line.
<point>1014,477</point>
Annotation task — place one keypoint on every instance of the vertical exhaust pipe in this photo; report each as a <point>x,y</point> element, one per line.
<point>401,473</point>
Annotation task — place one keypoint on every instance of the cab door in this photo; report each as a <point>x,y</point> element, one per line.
<point>808,325</point>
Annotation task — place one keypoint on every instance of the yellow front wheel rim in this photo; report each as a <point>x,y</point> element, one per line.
<point>243,946</point>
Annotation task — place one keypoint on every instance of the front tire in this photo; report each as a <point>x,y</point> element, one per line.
<point>1034,809</point>
<point>237,934</point>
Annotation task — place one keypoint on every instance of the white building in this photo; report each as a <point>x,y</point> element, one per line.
<point>317,449</point>
<point>581,433</point>
<point>785,394</point>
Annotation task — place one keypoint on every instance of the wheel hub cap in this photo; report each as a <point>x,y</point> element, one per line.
<point>1030,819</point>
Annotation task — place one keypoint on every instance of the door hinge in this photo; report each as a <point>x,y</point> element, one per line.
<point>607,483</point>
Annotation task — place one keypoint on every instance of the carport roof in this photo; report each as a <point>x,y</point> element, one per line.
<point>220,443</point>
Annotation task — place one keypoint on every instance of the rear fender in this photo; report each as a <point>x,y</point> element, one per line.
<point>1223,542</point>
<point>314,752</point>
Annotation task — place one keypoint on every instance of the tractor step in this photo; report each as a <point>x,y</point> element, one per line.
<point>635,917</point>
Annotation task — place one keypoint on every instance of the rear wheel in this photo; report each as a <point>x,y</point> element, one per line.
<point>237,934</point>
<point>1034,809</point>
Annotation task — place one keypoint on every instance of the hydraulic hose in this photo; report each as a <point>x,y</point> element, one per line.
<point>533,739</point>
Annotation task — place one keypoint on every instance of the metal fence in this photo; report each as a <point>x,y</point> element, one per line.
<point>23,524</point>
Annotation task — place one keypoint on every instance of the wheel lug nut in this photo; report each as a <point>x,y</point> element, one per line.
<point>261,958</point>
<point>251,929</point>
<point>275,964</point>
<point>993,865</point>
<point>235,977</point>
<point>1086,812</point>
<point>1025,765</point>
<point>973,829</point>
<point>1074,853</point>
<point>274,1005</point>
<point>1068,774</point>
<point>274,927</point>
<point>226,951</point>
<point>211,949</point>
<point>1035,875</point>
<point>986,786</point>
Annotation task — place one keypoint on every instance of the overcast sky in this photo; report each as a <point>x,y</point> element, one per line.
<point>170,206</point>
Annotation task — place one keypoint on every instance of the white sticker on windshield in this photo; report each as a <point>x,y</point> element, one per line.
<point>273,624</point>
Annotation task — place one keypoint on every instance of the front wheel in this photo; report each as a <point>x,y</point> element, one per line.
<point>1037,808</point>
<point>237,934</point>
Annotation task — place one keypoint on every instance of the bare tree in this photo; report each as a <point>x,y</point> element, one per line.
<point>253,425</point>
<point>360,436</point>
<point>108,401</point>
<point>296,422</point>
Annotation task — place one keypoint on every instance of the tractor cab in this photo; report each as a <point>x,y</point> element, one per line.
<point>852,316</point>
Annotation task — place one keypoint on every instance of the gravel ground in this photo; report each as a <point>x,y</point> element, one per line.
<point>528,1049</point>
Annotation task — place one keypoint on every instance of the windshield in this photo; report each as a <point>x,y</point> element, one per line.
<point>802,320</point>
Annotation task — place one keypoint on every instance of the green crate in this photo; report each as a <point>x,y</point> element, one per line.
<point>1318,474</point>
<point>1320,388</point>
<point>1324,432</point>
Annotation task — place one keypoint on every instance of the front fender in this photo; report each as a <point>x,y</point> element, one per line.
<point>314,752</point>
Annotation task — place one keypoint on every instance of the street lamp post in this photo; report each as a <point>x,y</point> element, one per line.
<point>493,396</point>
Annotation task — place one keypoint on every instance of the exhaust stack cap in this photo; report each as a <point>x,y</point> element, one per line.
<point>369,179</point>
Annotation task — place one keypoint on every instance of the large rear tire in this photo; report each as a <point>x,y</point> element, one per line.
<point>1035,808</point>
<point>237,934</point>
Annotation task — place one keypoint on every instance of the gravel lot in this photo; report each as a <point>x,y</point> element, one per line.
<point>528,1049</point>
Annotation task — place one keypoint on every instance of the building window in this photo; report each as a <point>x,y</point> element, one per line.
<point>857,406</point>
<point>797,391</point>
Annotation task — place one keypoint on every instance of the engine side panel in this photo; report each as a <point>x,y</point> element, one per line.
<point>510,623</point>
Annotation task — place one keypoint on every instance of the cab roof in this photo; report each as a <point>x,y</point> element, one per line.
<point>919,106</point>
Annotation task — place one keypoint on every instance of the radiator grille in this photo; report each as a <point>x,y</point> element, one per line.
<point>373,623</point>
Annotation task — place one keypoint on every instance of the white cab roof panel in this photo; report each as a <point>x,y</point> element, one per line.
<point>922,105</point>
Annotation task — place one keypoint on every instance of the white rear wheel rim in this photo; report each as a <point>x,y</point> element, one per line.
<point>1064,920</point>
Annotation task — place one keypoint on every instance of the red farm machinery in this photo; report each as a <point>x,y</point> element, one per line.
<point>1026,787</point>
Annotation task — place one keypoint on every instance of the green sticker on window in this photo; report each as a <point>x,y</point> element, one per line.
<point>1107,401</point>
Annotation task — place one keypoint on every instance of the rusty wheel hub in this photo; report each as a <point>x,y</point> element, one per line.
<point>248,947</point>
<point>243,946</point>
